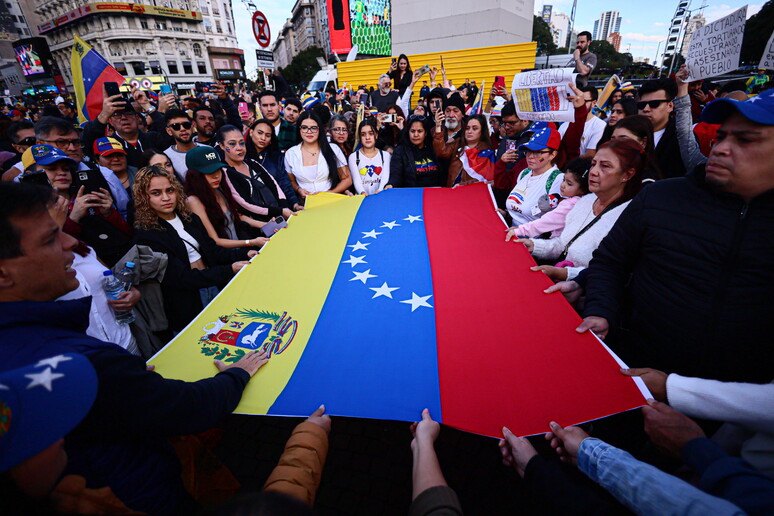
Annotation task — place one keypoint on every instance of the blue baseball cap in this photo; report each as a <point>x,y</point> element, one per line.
<point>43,155</point>
<point>758,109</point>
<point>41,403</point>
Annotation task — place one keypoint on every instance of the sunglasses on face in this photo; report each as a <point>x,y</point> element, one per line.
<point>29,141</point>
<point>652,103</point>
<point>178,125</point>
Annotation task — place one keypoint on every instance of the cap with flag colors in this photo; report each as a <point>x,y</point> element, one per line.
<point>106,146</point>
<point>309,101</point>
<point>43,155</point>
<point>418,334</point>
<point>90,73</point>
<point>41,403</point>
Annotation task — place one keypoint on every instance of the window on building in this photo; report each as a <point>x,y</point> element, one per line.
<point>139,67</point>
<point>114,50</point>
<point>182,50</point>
<point>197,50</point>
<point>202,67</point>
<point>161,25</point>
<point>310,30</point>
<point>172,67</point>
<point>150,49</point>
<point>155,68</point>
<point>143,24</point>
<point>218,28</point>
<point>166,47</point>
<point>120,68</point>
<point>237,64</point>
<point>187,68</point>
<point>208,25</point>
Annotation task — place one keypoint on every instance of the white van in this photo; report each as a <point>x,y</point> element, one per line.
<point>323,78</point>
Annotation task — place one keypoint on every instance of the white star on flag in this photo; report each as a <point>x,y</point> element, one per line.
<point>53,361</point>
<point>3,387</point>
<point>359,245</point>
<point>389,225</point>
<point>362,276</point>
<point>370,234</point>
<point>412,218</point>
<point>417,301</point>
<point>385,290</point>
<point>354,260</point>
<point>44,378</point>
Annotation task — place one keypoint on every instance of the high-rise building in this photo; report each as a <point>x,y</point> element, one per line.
<point>674,29</point>
<point>184,40</point>
<point>284,47</point>
<point>615,39</point>
<point>608,22</point>
<point>560,22</point>
<point>693,24</point>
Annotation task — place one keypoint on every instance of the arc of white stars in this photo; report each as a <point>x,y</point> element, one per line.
<point>355,260</point>
<point>359,245</point>
<point>414,218</point>
<point>370,234</point>
<point>363,276</point>
<point>389,225</point>
<point>417,301</point>
<point>385,290</point>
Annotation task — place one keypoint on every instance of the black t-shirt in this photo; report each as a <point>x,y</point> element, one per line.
<point>382,102</point>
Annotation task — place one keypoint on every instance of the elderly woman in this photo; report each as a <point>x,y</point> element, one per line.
<point>614,179</point>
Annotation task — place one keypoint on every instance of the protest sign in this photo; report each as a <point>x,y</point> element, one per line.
<point>542,95</point>
<point>715,48</point>
<point>767,59</point>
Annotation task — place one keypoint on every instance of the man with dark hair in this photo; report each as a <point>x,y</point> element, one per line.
<point>293,108</point>
<point>180,128</point>
<point>656,104</point>
<point>124,120</point>
<point>287,133</point>
<point>67,111</point>
<point>683,281</point>
<point>121,444</point>
<point>22,136</point>
<point>583,59</point>
<point>206,125</point>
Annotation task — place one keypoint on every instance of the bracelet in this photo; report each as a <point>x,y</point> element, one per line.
<point>247,242</point>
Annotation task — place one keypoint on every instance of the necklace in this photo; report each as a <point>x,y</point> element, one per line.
<point>309,152</point>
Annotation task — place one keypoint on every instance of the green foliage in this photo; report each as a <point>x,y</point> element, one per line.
<point>258,314</point>
<point>756,34</point>
<point>563,50</point>
<point>239,353</point>
<point>541,34</point>
<point>303,67</point>
<point>607,57</point>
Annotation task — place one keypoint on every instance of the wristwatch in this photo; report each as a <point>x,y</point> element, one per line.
<point>149,111</point>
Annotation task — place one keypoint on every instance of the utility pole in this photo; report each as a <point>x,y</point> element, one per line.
<point>572,23</point>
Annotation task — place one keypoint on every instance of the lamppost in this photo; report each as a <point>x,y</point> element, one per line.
<point>655,59</point>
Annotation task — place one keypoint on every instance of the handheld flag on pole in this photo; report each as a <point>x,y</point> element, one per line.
<point>477,108</point>
<point>90,73</point>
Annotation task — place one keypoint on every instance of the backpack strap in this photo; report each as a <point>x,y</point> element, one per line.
<point>524,173</point>
<point>551,180</point>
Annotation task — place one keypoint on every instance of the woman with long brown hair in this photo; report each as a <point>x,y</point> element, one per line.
<point>196,265</point>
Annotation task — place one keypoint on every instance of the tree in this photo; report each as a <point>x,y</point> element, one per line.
<point>757,31</point>
<point>541,34</point>
<point>303,67</point>
<point>607,57</point>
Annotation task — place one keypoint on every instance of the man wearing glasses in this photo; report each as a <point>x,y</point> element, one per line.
<point>180,128</point>
<point>656,104</point>
<point>122,117</point>
<point>22,136</point>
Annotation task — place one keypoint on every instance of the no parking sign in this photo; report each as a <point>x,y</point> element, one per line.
<point>261,29</point>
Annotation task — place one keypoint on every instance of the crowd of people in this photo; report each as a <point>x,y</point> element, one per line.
<point>652,214</point>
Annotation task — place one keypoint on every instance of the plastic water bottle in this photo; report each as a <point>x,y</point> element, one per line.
<point>113,290</point>
<point>126,275</point>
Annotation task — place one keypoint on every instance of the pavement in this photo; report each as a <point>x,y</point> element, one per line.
<point>368,470</point>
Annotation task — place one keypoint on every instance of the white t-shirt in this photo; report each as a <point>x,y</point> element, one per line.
<point>178,160</point>
<point>372,174</point>
<point>522,202</point>
<point>191,244</point>
<point>592,132</point>
<point>312,178</point>
<point>657,136</point>
<point>102,319</point>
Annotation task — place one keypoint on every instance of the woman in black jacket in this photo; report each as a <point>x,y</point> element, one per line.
<point>196,264</point>
<point>401,74</point>
<point>413,162</point>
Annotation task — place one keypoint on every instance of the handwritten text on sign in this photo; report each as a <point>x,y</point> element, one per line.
<point>542,95</point>
<point>715,48</point>
<point>767,59</point>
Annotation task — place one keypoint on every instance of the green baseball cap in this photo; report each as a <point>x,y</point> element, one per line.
<point>204,159</point>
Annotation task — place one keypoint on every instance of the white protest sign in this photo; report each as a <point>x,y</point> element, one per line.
<point>767,59</point>
<point>542,95</point>
<point>715,48</point>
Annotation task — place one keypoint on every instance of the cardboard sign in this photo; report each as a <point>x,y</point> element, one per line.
<point>767,59</point>
<point>542,95</point>
<point>715,48</point>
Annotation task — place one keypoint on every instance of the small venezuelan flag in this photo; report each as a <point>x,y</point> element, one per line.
<point>90,72</point>
<point>393,315</point>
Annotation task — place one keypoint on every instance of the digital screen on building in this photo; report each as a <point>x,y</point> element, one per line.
<point>370,26</point>
<point>31,54</point>
<point>338,26</point>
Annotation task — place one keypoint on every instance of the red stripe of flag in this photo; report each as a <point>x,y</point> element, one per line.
<point>508,354</point>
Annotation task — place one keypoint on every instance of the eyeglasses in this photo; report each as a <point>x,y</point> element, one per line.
<point>511,124</point>
<point>63,143</point>
<point>538,152</point>
<point>309,129</point>
<point>416,117</point>
<point>28,142</point>
<point>178,125</point>
<point>652,103</point>
<point>119,116</point>
<point>339,130</point>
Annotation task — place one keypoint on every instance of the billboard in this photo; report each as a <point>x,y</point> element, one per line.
<point>339,26</point>
<point>370,25</point>
<point>111,7</point>
<point>33,56</point>
<point>8,31</point>
<point>547,13</point>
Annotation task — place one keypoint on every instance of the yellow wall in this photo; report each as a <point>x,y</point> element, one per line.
<point>476,64</point>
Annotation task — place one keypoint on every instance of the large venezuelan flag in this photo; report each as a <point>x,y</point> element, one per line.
<point>90,72</point>
<point>382,306</point>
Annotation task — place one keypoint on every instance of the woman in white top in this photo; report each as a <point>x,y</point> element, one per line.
<point>369,166</point>
<point>540,180</point>
<point>614,179</point>
<point>314,165</point>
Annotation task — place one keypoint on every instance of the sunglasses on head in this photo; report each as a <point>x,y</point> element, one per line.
<point>652,103</point>
<point>29,141</point>
<point>178,125</point>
